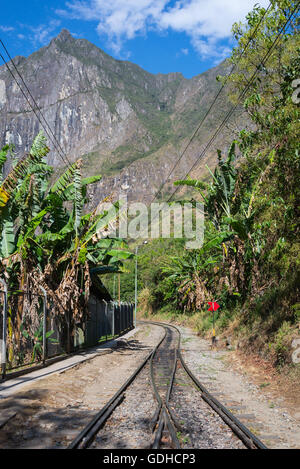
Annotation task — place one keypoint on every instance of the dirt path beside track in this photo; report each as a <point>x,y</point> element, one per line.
<point>50,412</point>
<point>266,414</point>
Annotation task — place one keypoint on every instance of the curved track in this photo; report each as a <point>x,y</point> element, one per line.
<point>164,359</point>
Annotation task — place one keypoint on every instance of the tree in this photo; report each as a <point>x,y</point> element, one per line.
<point>47,240</point>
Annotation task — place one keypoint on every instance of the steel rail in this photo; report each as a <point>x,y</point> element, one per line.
<point>163,418</point>
<point>90,435</point>
<point>248,438</point>
<point>174,419</point>
<point>86,436</point>
<point>244,434</point>
<point>158,433</point>
<point>164,414</point>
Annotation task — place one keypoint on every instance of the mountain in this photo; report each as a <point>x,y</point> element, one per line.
<point>127,124</point>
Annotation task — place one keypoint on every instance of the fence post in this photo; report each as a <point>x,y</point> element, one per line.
<point>113,320</point>
<point>105,320</point>
<point>122,317</point>
<point>100,319</point>
<point>3,354</point>
<point>68,343</point>
<point>44,325</point>
<point>129,315</point>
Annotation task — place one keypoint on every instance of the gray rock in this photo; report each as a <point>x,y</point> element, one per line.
<point>110,112</point>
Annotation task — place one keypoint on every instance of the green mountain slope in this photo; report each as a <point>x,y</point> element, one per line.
<point>127,123</point>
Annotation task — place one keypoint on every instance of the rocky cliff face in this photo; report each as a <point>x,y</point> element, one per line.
<point>126,123</point>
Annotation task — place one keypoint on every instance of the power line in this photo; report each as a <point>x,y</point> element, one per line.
<point>34,101</point>
<point>240,97</point>
<point>212,104</point>
<point>52,138</point>
<point>264,60</point>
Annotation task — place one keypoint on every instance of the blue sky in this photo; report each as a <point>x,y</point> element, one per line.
<point>187,36</point>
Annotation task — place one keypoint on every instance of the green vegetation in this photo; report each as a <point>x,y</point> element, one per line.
<point>249,261</point>
<point>47,241</point>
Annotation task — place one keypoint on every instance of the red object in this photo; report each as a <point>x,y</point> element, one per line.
<point>213,306</point>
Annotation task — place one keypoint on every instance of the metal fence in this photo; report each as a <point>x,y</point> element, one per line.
<point>22,327</point>
<point>30,333</point>
<point>107,320</point>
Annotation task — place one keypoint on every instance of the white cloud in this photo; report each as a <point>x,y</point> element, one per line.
<point>43,33</point>
<point>182,51</point>
<point>6,29</point>
<point>206,22</point>
<point>120,20</point>
<point>38,35</point>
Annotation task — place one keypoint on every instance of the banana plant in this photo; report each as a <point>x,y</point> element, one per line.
<point>37,340</point>
<point>220,193</point>
<point>46,237</point>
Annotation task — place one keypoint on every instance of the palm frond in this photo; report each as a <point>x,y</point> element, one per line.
<point>7,238</point>
<point>191,182</point>
<point>78,202</point>
<point>66,178</point>
<point>11,181</point>
<point>91,179</point>
<point>3,158</point>
<point>68,192</point>
<point>39,147</point>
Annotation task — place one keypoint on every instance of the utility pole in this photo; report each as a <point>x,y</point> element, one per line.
<point>135,282</point>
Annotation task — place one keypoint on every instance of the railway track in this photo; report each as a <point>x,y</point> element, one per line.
<point>163,362</point>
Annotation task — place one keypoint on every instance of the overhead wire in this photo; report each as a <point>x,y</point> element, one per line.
<point>241,95</point>
<point>45,125</point>
<point>212,104</point>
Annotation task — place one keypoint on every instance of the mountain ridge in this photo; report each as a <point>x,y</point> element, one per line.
<point>123,121</point>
